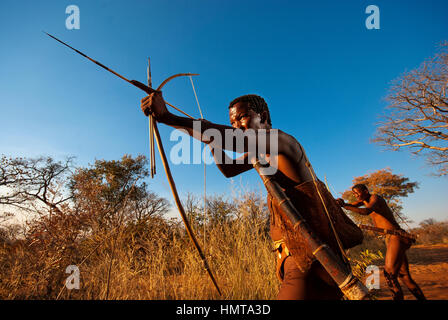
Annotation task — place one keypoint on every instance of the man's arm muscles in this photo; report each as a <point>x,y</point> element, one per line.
<point>362,211</point>
<point>369,207</point>
<point>230,167</point>
<point>357,203</point>
<point>251,138</point>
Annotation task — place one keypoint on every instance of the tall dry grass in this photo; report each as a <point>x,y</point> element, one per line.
<point>114,230</point>
<point>153,260</point>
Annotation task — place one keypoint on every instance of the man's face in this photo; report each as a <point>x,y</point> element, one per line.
<point>361,195</point>
<point>242,117</point>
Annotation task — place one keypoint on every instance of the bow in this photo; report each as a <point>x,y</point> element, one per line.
<point>174,189</point>
<point>149,90</point>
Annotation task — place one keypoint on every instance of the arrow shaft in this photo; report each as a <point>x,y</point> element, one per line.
<point>133,82</point>
<point>156,133</point>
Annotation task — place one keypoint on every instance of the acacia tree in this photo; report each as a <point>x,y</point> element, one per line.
<point>77,213</point>
<point>390,186</point>
<point>68,201</point>
<point>417,114</point>
<point>26,180</point>
<point>109,187</point>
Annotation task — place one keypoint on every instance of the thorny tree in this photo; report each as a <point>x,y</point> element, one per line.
<point>42,180</point>
<point>109,187</point>
<point>61,197</point>
<point>417,117</point>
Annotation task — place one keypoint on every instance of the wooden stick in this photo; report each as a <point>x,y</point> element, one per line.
<point>352,288</point>
<point>388,231</point>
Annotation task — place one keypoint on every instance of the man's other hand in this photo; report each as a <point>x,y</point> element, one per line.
<point>340,202</point>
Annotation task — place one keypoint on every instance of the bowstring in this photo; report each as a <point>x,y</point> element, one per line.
<point>205,170</point>
<point>196,96</point>
<point>151,128</point>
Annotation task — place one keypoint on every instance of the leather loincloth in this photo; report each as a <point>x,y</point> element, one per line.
<point>307,201</point>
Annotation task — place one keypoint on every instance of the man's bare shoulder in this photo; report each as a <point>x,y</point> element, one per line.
<point>377,198</point>
<point>378,204</point>
<point>286,138</point>
<point>290,146</point>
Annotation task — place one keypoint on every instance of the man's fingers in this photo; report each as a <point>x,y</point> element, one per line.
<point>145,99</point>
<point>146,105</point>
<point>147,102</point>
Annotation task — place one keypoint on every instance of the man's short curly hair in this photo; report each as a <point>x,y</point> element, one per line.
<point>361,187</point>
<point>256,103</point>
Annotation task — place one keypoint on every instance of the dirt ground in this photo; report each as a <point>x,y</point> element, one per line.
<point>428,265</point>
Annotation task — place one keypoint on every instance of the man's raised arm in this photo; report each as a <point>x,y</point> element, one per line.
<point>368,209</point>
<point>208,132</point>
<point>230,167</point>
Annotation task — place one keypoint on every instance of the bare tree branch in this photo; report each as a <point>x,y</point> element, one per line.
<point>418,112</point>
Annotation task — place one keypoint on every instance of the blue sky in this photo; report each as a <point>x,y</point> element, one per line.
<point>322,72</point>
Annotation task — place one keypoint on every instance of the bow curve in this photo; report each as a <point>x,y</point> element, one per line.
<point>174,189</point>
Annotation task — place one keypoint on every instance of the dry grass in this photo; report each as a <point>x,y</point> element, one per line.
<point>432,232</point>
<point>112,227</point>
<point>154,261</point>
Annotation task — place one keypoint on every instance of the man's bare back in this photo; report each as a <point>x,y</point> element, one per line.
<point>382,216</point>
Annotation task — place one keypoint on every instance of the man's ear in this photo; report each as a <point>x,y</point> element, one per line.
<point>264,117</point>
